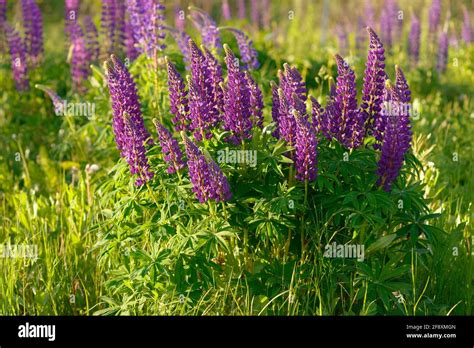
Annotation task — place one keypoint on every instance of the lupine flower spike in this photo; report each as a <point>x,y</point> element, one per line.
<point>414,38</point>
<point>306,149</point>
<point>207,178</point>
<point>237,109</point>
<point>170,148</point>
<point>373,87</point>
<point>18,58</point>
<point>396,138</point>
<point>178,97</point>
<point>202,110</point>
<point>346,118</point>
<point>129,128</point>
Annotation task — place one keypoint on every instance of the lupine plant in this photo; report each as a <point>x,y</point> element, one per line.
<point>231,148</point>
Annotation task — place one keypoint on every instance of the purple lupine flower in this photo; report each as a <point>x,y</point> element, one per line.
<point>386,27</point>
<point>466,31</point>
<point>267,13</point>
<point>442,52</point>
<point>242,10</point>
<point>360,33</point>
<point>343,40</point>
<point>256,100</point>
<point>248,53</point>
<point>369,14</point>
<point>215,80</point>
<point>146,19</point>
<point>401,85</point>
<point>178,97</point>
<point>130,42</point>
<point>389,106</point>
<point>3,13</point>
<point>108,21</point>
<point>58,102</point>
<point>275,109</point>
<point>201,97</point>
<point>434,16</point>
<point>226,10</point>
<point>219,189</point>
<point>170,148</point>
<point>374,81</point>
<point>92,39</point>
<point>129,128</point>
<point>320,122</point>
<point>207,178</point>
<point>80,58</point>
<point>182,40</point>
<point>71,9</point>
<point>33,24</point>
<point>208,29</point>
<point>120,19</point>
<point>18,58</point>
<point>306,149</point>
<point>414,38</point>
<point>346,116</point>
<point>237,108</point>
<point>291,83</point>
<point>179,19</point>
<point>3,20</point>
<point>396,139</point>
<point>286,120</point>
<point>453,39</point>
<point>255,11</point>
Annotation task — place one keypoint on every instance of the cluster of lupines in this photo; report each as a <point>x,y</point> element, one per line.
<point>146,22</point>
<point>18,58</point>
<point>27,51</point>
<point>342,119</point>
<point>129,129</point>
<point>207,178</point>
<point>33,24</point>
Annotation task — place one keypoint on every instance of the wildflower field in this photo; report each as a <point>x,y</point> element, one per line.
<point>236,157</point>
